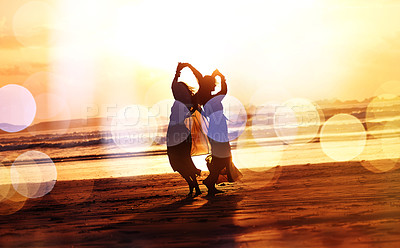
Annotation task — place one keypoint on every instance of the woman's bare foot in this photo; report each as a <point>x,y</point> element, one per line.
<point>214,191</point>
<point>211,187</point>
<point>197,193</point>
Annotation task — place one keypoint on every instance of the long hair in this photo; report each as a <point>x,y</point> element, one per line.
<point>190,89</point>
<point>184,94</point>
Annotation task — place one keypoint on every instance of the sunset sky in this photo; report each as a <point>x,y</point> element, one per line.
<point>86,57</point>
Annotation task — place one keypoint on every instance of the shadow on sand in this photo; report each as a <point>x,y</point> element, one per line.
<point>189,222</point>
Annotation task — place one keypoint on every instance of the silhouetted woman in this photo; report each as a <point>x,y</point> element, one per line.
<point>179,139</point>
<point>217,129</point>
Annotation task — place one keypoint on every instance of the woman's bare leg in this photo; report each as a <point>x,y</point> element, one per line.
<point>196,185</point>
<point>190,183</point>
<point>217,165</point>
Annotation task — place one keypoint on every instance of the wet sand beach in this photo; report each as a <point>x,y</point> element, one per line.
<point>339,204</point>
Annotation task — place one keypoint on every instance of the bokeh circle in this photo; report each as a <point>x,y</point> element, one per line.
<point>18,108</point>
<point>384,151</point>
<point>31,24</point>
<point>343,137</point>
<point>33,174</point>
<point>297,121</point>
<point>383,109</point>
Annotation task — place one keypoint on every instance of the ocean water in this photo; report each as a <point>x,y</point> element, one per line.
<point>89,152</point>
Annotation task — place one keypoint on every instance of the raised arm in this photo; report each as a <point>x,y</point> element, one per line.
<point>196,73</point>
<point>177,73</point>
<point>224,87</point>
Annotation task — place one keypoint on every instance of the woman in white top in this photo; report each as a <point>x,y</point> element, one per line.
<point>217,129</point>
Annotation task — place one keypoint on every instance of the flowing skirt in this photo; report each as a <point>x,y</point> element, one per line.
<point>180,158</point>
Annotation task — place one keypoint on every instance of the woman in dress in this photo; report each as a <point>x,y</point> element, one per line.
<point>179,139</point>
<point>217,132</point>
